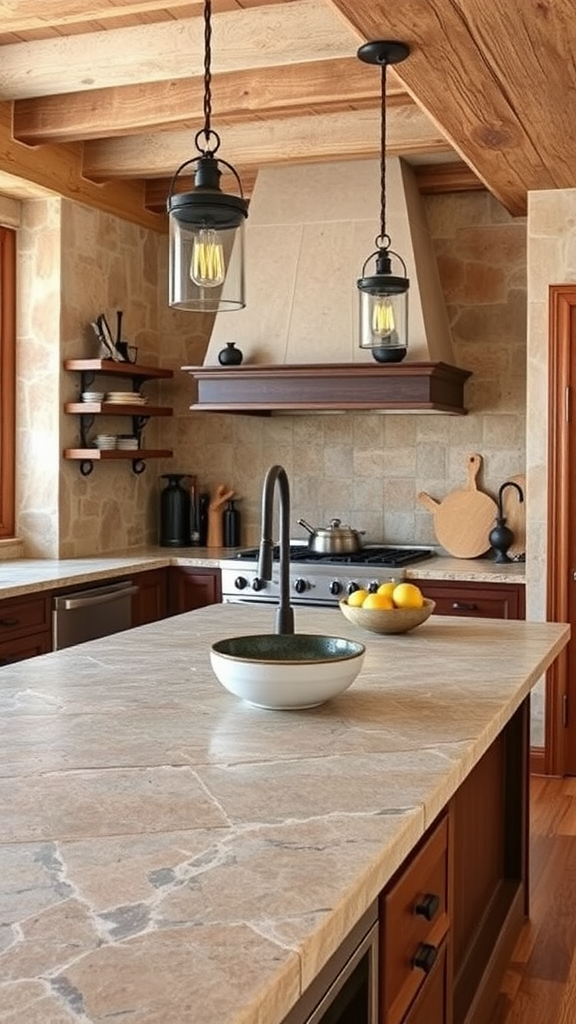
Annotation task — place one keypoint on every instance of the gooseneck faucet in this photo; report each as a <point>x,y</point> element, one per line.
<point>277,475</point>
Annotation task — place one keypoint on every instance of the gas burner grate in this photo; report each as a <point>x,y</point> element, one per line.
<point>390,557</point>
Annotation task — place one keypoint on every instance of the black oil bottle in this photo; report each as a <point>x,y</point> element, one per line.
<point>174,513</point>
<point>231,525</point>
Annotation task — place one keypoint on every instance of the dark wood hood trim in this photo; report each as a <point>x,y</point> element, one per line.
<point>325,387</point>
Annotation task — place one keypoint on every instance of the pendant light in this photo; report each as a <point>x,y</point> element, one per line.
<point>384,294</point>
<point>206,271</point>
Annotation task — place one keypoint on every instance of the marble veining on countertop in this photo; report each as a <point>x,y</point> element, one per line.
<point>171,855</point>
<point>22,576</point>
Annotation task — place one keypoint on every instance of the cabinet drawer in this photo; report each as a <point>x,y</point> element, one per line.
<point>504,601</point>
<point>431,1002</point>
<point>24,616</point>
<point>12,651</point>
<point>414,912</point>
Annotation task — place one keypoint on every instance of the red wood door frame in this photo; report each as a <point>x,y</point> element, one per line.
<point>560,728</point>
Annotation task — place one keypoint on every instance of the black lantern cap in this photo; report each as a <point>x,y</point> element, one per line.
<point>207,205</point>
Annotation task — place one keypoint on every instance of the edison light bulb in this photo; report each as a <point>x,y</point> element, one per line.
<point>207,265</point>
<point>383,323</point>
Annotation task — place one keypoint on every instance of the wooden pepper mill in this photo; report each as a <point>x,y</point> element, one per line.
<point>216,506</point>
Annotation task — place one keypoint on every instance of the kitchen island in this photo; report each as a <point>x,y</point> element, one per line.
<point>171,855</point>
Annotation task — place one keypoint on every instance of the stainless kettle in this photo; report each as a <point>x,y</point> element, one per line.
<point>334,539</point>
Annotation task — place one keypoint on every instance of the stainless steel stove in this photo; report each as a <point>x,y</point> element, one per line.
<point>316,579</point>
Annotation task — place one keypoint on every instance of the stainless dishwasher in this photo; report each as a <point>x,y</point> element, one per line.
<point>89,614</point>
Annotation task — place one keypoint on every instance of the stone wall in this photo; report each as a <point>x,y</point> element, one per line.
<point>365,468</point>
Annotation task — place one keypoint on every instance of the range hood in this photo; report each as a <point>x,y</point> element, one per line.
<point>309,231</point>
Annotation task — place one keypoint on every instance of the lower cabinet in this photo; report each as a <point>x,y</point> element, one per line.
<point>25,627</point>
<point>482,600</point>
<point>450,917</point>
<point>190,587</point>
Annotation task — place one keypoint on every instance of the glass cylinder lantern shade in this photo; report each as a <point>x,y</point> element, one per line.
<point>383,306</point>
<point>206,266</point>
<point>383,320</point>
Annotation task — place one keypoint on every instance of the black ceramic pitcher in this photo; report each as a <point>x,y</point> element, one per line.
<point>174,513</point>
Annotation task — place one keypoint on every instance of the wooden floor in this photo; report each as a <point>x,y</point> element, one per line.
<point>540,985</point>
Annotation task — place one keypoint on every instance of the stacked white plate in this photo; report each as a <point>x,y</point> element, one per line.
<point>125,398</point>
<point>126,443</point>
<point>105,441</point>
<point>92,396</point>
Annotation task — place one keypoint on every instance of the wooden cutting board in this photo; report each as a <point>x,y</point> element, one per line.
<point>465,517</point>
<point>515,513</point>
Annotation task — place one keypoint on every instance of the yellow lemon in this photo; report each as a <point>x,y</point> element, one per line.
<point>387,588</point>
<point>379,601</point>
<point>407,595</point>
<point>357,598</point>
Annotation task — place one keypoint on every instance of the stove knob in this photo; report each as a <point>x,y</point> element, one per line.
<point>258,584</point>
<point>373,587</point>
<point>335,587</point>
<point>300,585</point>
<point>240,582</point>
<point>351,588</point>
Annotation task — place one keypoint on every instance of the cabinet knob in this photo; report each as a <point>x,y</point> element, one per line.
<point>425,957</point>
<point>428,906</point>
<point>464,606</point>
<point>9,622</point>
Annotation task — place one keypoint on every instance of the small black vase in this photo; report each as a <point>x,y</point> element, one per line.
<point>230,356</point>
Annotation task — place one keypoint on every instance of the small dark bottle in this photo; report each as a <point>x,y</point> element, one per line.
<point>231,526</point>
<point>202,522</point>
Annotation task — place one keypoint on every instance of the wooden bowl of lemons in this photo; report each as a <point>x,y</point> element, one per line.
<point>394,608</point>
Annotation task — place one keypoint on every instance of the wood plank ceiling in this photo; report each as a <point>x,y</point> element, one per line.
<point>100,100</point>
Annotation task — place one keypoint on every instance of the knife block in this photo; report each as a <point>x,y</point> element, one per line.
<point>215,528</point>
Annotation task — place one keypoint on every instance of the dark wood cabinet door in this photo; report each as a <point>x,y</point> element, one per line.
<point>151,602</point>
<point>191,588</point>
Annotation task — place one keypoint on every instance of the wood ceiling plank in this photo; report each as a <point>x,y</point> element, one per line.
<point>28,15</point>
<point>469,67</point>
<point>262,93</point>
<point>254,37</point>
<point>345,135</point>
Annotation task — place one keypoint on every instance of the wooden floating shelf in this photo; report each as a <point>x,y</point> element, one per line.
<point>118,369</point>
<point>116,409</point>
<point>105,454</point>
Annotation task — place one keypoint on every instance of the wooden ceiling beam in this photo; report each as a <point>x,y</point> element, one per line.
<point>468,68</point>
<point>245,95</point>
<point>432,179</point>
<point>343,136</point>
<point>59,169</point>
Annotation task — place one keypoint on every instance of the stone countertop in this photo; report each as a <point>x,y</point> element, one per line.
<point>23,576</point>
<point>171,855</point>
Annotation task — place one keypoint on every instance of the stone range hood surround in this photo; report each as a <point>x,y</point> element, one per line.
<point>309,230</point>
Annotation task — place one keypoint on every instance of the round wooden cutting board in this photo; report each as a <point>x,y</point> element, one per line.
<point>465,517</point>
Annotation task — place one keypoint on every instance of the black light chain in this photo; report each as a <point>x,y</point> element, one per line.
<point>384,239</point>
<point>207,73</point>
